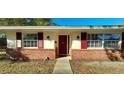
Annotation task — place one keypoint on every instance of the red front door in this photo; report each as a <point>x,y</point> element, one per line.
<point>62,45</point>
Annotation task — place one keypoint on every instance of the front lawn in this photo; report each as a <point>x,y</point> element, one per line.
<point>97,67</point>
<point>2,53</point>
<point>32,67</point>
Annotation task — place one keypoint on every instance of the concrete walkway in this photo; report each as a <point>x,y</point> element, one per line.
<point>62,66</point>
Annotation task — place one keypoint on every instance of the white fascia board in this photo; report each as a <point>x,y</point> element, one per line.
<point>55,27</point>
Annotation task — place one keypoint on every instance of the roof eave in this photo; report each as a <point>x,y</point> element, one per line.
<point>58,27</point>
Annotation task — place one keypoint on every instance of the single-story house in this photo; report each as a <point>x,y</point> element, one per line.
<point>80,42</point>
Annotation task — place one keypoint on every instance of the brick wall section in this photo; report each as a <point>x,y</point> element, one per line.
<point>97,54</point>
<point>32,53</point>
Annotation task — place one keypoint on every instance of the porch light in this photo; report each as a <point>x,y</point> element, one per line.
<point>55,41</point>
<point>48,37</point>
<point>78,37</point>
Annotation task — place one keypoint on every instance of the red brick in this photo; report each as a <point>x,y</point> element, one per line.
<point>32,53</point>
<point>97,54</point>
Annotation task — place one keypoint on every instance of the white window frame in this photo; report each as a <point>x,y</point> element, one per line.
<point>103,41</point>
<point>34,40</point>
<point>94,44</point>
<point>93,40</point>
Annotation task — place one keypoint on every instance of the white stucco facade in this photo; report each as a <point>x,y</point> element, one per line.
<point>53,34</point>
<point>49,42</point>
<point>75,43</point>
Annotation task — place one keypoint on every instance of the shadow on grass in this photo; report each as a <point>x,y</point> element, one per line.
<point>16,55</point>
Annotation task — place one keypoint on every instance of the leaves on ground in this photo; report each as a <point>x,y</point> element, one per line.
<point>84,67</point>
<point>33,67</point>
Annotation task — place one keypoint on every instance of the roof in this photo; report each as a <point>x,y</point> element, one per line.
<point>61,27</point>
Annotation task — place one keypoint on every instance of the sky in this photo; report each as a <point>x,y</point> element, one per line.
<point>87,21</point>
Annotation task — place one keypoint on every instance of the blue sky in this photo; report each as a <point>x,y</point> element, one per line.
<point>87,21</point>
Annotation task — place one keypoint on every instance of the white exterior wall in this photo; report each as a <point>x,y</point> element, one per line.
<point>49,43</point>
<point>74,42</point>
<point>11,39</point>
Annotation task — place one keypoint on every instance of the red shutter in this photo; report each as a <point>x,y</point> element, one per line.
<point>83,40</point>
<point>40,40</point>
<point>19,39</point>
<point>122,44</point>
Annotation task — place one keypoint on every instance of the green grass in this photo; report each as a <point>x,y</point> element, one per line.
<point>83,67</point>
<point>32,67</point>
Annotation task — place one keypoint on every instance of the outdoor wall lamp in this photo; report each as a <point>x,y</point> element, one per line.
<point>78,37</point>
<point>55,41</point>
<point>48,37</point>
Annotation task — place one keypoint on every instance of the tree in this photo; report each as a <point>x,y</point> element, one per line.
<point>42,21</point>
<point>25,21</point>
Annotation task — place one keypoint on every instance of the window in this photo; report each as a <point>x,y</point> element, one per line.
<point>30,40</point>
<point>103,40</point>
<point>94,40</point>
<point>3,41</point>
<point>111,40</point>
